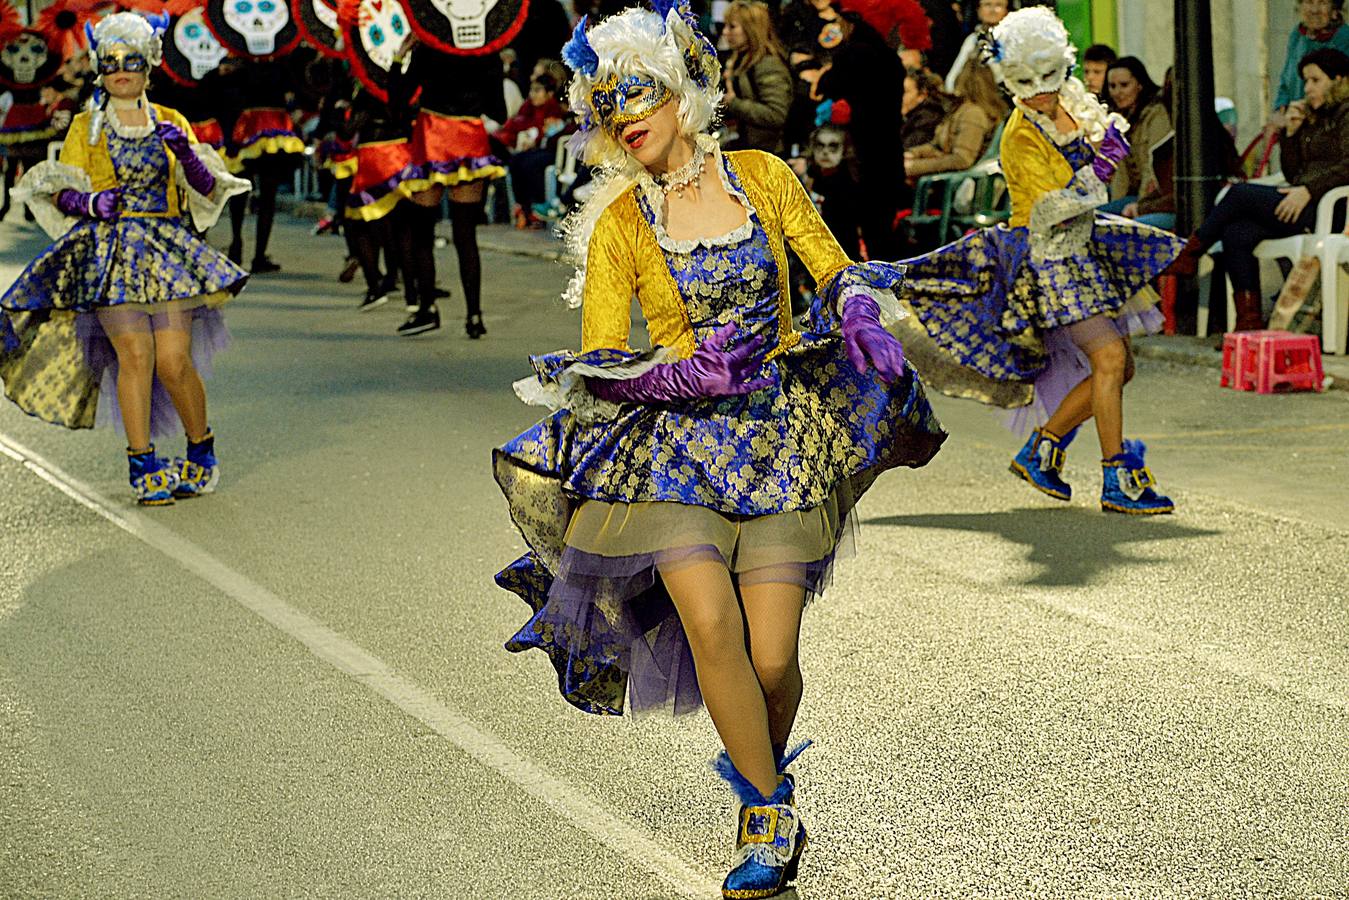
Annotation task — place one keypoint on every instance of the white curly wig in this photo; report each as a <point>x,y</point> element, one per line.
<point>663,45</point>
<point>134,31</point>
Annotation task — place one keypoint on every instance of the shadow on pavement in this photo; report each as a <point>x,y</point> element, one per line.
<point>1073,546</point>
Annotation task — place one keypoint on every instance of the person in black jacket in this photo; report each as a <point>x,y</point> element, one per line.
<point>867,73</point>
<point>1314,162</point>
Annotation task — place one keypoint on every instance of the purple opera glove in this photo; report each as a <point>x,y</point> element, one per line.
<point>1114,148</point>
<point>712,371</point>
<point>194,170</point>
<point>864,338</point>
<point>99,205</point>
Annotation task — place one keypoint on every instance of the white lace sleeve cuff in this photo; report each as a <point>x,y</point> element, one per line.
<point>206,210</point>
<point>39,187</point>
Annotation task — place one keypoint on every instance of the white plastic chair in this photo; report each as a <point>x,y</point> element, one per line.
<point>1323,242</point>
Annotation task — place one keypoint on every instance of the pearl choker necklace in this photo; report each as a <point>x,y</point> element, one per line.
<point>686,175</point>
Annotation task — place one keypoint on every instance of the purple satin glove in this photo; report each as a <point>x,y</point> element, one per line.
<point>174,138</point>
<point>77,203</point>
<point>1114,148</point>
<point>864,338</point>
<point>711,372</point>
<point>194,170</point>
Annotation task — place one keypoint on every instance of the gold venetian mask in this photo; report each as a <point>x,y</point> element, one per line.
<point>620,101</point>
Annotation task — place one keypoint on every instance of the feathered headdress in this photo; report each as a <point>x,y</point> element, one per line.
<point>896,21</point>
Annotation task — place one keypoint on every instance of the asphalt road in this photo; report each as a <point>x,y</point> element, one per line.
<point>296,687</point>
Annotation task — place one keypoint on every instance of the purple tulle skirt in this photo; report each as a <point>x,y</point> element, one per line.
<point>1068,366</point>
<point>209,336</point>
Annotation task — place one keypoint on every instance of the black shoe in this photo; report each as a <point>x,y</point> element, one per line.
<point>372,300</point>
<point>473,326</point>
<point>262,265</point>
<point>236,254</point>
<point>420,322</point>
<point>349,270</point>
<point>442,293</point>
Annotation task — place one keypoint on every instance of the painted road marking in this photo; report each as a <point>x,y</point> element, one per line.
<point>625,837</point>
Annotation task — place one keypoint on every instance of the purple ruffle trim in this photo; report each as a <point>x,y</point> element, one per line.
<point>1068,366</point>
<point>647,640</point>
<point>378,192</point>
<point>452,166</point>
<point>209,336</point>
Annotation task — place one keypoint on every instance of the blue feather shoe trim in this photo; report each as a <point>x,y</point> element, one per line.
<point>771,835</point>
<point>1128,484</point>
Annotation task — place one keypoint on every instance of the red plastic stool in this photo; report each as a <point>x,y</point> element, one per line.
<point>1239,359</point>
<point>1269,360</point>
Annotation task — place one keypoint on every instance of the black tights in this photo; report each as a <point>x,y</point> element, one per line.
<point>269,177</point>
<point>367,239</point>
<point>417,244</point>
<point>464,224</point>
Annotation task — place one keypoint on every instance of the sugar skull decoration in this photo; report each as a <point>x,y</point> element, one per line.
<point>28,59</point>
<point>198,46</point>
<point>468,27</point>
<point>317,21</point>
<point>372,32</point>
<point>1030,53</point>
<point>258,28</point>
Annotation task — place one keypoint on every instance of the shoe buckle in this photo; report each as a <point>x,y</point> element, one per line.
<point>1138,481</point>
<point>1051,456</point>
<point>759,825</point>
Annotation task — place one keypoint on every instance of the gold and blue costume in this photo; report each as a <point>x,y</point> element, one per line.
<point>55,359</point>
<point>1000,302</point>
<point>605,494</point>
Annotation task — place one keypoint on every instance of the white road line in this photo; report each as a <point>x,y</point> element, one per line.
<point>627,838</point>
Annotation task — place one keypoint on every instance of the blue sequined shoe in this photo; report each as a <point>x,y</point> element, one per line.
<point>1129,484</point>
<point>1040,462</point>
<point>152,478</point>
<point>770,838</point>
<point>199,473</point>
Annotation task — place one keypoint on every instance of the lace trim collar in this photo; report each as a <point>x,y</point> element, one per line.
<point>655,200</point>
<point>1046,125</point>
<point>131,131</point>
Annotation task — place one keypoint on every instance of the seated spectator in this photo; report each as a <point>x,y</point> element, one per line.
<point>964,135</point>
<point>757,83</point>
<point>926,104</point>
<point>1321,26</point>
<point>530,136</point>
<point>1314,137</point>
<point>1156,205</point>
<point>990,13</point>
<point>1096,61</point>
<point>1134,95</point>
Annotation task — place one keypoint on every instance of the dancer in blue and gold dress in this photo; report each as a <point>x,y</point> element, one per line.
<point>683,503</point>
<point>1041,309</point>
<point>118,319</point>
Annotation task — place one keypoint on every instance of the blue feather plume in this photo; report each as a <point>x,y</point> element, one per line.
<point>159,22</point>
<point>577,52</point>
<point>663,7</point>
<point>89,35</point>
<point>1136,448</point>
<point>745,790</point>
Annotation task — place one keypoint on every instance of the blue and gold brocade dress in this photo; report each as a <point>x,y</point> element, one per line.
<point>605,495</point>
<point>55,358</point>
<point>1007,310</point>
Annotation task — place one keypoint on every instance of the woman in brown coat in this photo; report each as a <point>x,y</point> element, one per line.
<point>758,84</point>
<point>964,135</point>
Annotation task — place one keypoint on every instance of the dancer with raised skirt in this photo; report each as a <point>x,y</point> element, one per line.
<point>682,503</point>
<point>119,317</point>
<point>1041,310</point>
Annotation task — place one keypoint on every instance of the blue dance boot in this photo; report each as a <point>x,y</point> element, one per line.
<point>771,836</point>
<point>1129,484</point>
<point>199,473</point>
<point>152,478</point>
<point>1041,463</point>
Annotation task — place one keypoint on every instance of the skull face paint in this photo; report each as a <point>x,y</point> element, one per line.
<point>258,21</point>
<point>468,19</point>
<point>383,26</point>
<point>195,41</point>
<point>25,56</point>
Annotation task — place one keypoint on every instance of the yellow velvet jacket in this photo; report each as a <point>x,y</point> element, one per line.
<point>1032,165</point>
<point>96,160</point>
<point>624,260</point>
